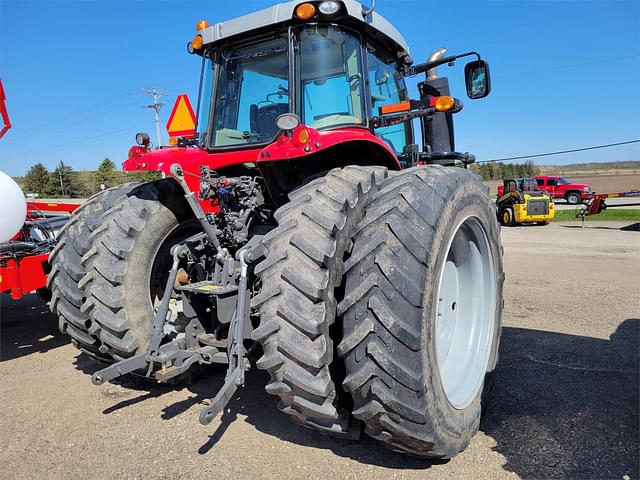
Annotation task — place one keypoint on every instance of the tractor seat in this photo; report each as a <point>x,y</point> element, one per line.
<point>263,118</point>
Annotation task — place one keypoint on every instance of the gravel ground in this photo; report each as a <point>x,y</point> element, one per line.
<point>565,404</point>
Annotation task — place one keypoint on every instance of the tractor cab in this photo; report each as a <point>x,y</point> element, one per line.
<point>316,84</point>
<point>322,68</point>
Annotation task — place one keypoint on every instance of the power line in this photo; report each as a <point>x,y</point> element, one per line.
<point>560,152</point>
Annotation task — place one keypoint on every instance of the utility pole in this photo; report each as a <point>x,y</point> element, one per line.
<point>156,106</point>
<point>61,184</point>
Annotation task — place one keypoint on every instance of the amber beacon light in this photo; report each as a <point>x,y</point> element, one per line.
<point>305,11</point>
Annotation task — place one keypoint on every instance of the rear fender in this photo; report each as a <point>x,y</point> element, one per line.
<point>286,165</point>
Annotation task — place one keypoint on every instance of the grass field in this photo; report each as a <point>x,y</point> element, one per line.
<point>613,214</point>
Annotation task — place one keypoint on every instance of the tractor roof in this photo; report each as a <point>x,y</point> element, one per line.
<point>284,12</point>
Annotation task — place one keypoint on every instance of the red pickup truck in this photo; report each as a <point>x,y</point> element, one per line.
<point>562,188</point>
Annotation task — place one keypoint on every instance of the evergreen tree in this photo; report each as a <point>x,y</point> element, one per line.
<point>531,168</point>
<point>63,182</point>
<point>36,180</point>
<point>491,170</point>
<point>105,175</point>
<point>147,175</point>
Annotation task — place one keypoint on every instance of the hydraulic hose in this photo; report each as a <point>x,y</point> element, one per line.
<point>14,247</point>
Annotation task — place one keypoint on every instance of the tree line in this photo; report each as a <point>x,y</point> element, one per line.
<point>65,182</point>
<point>499,170</point>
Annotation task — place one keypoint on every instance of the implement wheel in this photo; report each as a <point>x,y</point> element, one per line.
<point>422,310</point>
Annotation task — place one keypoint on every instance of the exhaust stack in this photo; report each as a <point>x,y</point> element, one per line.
<point>432,73</point>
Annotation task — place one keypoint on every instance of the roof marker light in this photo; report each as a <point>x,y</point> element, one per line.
<point>201,25</point>
<point>305,11</point>
<point>196,43</point>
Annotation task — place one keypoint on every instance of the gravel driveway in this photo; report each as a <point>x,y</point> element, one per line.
<point>565,404</point>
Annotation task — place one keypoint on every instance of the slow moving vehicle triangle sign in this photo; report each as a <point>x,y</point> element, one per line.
<point>182,121</point>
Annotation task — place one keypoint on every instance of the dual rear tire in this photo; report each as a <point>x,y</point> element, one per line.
<point>422,309</point>
<point>415,259</point>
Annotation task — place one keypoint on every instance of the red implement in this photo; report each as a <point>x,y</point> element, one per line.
<point>22,274</point>
<point>597,204</point>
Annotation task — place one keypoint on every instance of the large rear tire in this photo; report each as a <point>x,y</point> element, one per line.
<point>128,263</point>
<point>67,269</point>
<point>297,304</point>
<point>422,310</point>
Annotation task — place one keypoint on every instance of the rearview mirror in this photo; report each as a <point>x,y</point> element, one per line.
<point>382,76</point>
<point>477,79</point>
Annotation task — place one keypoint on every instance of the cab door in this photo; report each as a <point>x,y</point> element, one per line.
<point>387,86</point>
<point>552,186</point>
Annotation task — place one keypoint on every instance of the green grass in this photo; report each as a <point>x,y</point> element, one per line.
<point>612,214</point>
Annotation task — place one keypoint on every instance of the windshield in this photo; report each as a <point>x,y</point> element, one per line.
<point>528,185</point>
<point>252,91</point>
<point>252,85</point>
<point>328,66</point>
<point>564,181</point>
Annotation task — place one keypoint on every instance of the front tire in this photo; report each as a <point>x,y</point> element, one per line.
<point>573,198</point>
<point>507,217</point>
<point>423,282</point>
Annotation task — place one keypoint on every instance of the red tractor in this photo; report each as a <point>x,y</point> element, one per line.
<point>302,226</point>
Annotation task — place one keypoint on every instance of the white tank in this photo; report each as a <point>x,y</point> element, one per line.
<point>14,208</point>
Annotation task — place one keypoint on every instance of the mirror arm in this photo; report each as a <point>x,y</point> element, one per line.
<point>410,71</point>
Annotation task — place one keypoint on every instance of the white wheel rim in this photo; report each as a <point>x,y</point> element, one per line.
<point>465,314</point>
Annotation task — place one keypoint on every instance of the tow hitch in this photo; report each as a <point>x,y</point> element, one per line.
<point>166,361</point>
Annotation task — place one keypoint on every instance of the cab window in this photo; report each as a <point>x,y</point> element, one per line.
<point>387,86</point>
<point>329,67</point>
<point>252,92</point>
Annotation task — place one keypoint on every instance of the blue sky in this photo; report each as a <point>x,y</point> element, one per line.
<point>565,74</point>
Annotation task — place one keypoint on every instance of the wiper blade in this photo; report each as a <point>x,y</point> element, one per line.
<point>255,55</point>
